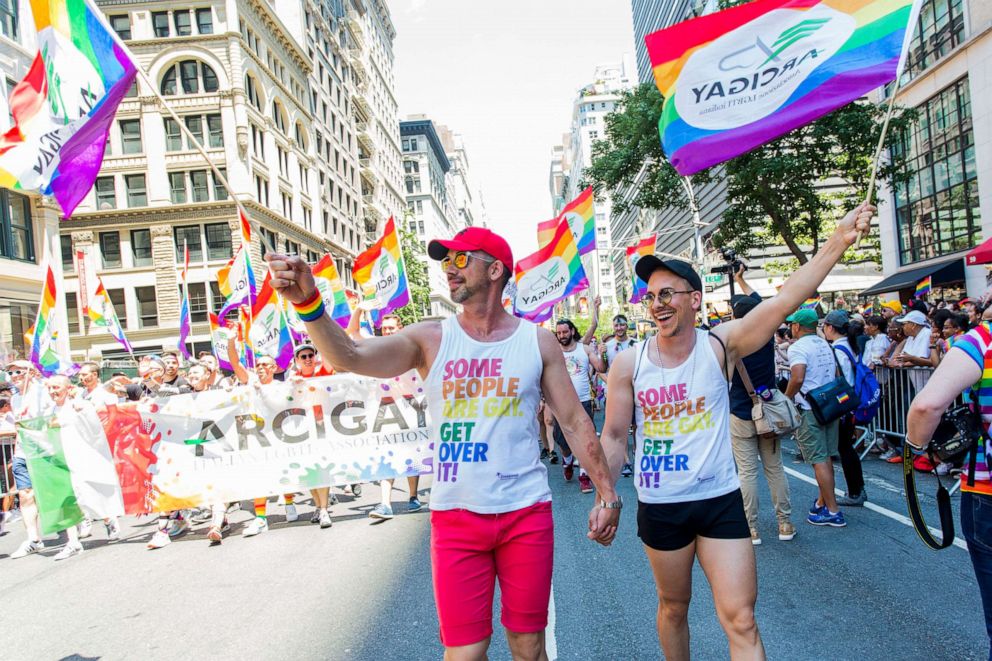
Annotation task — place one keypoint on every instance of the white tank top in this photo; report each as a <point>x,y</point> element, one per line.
<point>577,366</point>
<point>483,399</point>
<point>683,427</point>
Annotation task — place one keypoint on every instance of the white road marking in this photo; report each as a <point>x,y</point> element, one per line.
<point>550,642</point>
<point>895,516</point>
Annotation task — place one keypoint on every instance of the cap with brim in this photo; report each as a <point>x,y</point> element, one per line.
<point>895,306</point>
<point>23,364</point>
<point>837,318</point>
<point>648,264</point>
<point>914,317</point>
<point>301,347</point>
<point>741,305</point>
<point>805,318</point>
<point>473,238</point>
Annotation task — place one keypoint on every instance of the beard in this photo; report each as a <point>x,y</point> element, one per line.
<point>463,293</point>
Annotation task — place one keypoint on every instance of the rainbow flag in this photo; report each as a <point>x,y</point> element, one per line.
<point>48,354</point>
<point>101,313</point>
<point>268,331</point>
<point>236,280</point>
<point>739,78</point>
<point>713,318</point>
<point>546,231</point>
<point>635,252</point>
<point>380,273</point>
<point>923,287</point>
<point>548,276</point>
<point>64,107</point>
<point>218,340</point>
<point>811,303</point>
<point>581,219</point>
<point>185,321</point>
<point>329,284</point>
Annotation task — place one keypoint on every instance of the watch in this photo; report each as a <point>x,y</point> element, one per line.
<point>615,505</point>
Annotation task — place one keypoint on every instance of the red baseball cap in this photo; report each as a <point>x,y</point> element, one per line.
<point>474,238</point>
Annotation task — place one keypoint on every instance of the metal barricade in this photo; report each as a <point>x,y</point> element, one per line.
<point>899,386</point>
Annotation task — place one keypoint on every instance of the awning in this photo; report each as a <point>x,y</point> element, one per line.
<point>941,273</point>
<point>980,255</point>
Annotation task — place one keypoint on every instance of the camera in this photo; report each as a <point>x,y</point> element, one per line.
<point>733,263</point>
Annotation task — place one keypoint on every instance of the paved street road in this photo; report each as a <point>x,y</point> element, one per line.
<point>361,591</point>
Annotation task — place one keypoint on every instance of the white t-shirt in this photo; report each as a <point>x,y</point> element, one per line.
<point>98,397</point>
<point>814,352</point>
<point>920,345</point>
<point>846,366</point>
<point>613,347</point>
<point>875,349</point>
<point>577,366</point>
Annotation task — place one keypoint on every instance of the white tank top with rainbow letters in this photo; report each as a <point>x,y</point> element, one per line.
<point>483,399</point>
<point>683,427</point>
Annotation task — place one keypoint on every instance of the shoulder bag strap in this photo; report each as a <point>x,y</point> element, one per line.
<point>849,358</point>
<point>747,382</point>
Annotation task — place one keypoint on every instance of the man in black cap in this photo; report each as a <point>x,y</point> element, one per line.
<point>690,504</point>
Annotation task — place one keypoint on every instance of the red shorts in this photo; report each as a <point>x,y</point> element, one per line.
<point>469,551</point>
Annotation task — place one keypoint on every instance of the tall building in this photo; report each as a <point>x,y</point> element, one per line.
<point>929,223</point>
<point>570,159</point>
<point>25,220</point>
<point>431,210</point>
<point>466,196</point>
<point>274,92</point>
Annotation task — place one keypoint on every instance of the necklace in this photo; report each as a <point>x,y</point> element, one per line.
<point>691,359</point>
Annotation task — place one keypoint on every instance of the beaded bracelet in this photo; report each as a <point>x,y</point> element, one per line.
<point>311,309</point>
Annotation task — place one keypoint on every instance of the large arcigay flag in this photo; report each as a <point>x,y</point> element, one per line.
<point>66,103</point>
<point>379,271</point>
<point>548,276</point>
<point>742,77</point>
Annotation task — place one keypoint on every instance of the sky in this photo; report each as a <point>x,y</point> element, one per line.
<point>504,75</point>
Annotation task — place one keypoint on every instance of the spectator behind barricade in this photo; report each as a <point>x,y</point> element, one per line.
<point>891,309</point>
<point>967,365</point>
<point>916,351</point>
<point>172,362</point>
<point>876,329</point>
<point>93,390</point>
<point>749,448</point>
<point>842,333</point>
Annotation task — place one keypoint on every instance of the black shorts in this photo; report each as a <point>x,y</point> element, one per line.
<point>672,526</point>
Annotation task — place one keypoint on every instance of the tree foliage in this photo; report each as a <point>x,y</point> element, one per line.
<point>416,277</point>
<point>790,190</point>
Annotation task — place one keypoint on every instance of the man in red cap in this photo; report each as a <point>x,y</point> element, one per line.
<point>484,371</point>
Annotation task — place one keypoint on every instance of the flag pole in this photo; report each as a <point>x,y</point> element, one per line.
<point>878,156</point>
<point>189,310</point>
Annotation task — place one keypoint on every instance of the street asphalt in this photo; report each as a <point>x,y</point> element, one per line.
<point>871,591</point>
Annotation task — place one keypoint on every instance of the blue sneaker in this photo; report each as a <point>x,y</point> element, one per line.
<point>825,518</point>
<point>817,509</point>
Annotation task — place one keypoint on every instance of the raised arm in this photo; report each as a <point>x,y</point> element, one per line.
<point>745,288</point>
<point>292,278</point>
<point>593,321</point>
<point>232,357</point>
<point>745,336</point>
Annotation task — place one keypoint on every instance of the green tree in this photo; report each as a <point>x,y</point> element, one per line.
<point>416,277</point>
<point>790,190</point>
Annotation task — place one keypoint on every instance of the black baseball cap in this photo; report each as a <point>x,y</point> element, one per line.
<point>650,263</point>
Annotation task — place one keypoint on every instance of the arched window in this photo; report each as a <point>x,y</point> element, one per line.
<point>251,89</point>
<point>301,137</point>
<point>279,117</point>
<point>194,77</point>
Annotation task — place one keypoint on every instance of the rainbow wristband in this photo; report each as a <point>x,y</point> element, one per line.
<point>311,309</point>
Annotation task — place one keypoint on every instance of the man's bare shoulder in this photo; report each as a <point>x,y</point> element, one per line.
<point>547,343</point>
<point>623,363</point>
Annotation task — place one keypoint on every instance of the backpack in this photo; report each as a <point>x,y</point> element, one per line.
<point>866,386</point>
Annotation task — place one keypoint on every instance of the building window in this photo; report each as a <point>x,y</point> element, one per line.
<point>121,24</point>
<point>194,77</point>
<point>65,244</point>
<point>937,211</point>
<point>141,247</point>
<point>217,299</point>
<point>17,240</point>
<point>279,117</point>
<point>181,19</point>
<point>106,194</point>
<point>147,308</point>
<point>160,23</point>
<point>188,236</point>
<point>132,91</point>
<point>253,98</point>
<point>72,311</point>
<point>173,135</point>
<point>194,124</point>
<point>137,195</point>
<point>262,190</point>
<point>220,193</point>
<point>120,307</point>
<point>257,142</point>
<point>198,306</point>
<point>940,28</point>
<point>205,21</point>
<point>270,239</point>
<point>110,249</point>
<point>215,131</point>
<point>218,241</point>
<point>199,186</point>
<point>130,136</point>
<point>177,187</point>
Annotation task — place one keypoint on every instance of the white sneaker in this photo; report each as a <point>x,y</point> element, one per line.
<point>325,519</point>
<point>113,530</point>
<point>68,551</point>
<point>85,529</point>
<point>260,524</point>
<point>159,539</point>
<point>26,548</point>
<point>291,514</point>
